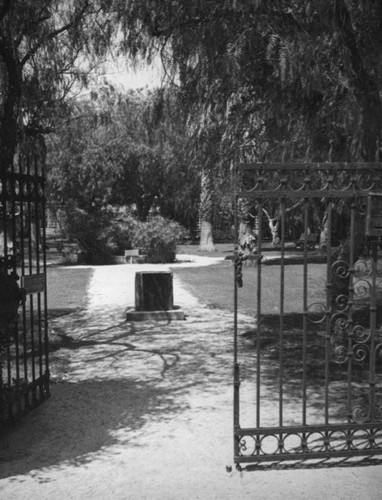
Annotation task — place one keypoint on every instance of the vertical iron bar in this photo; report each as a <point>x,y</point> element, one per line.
<point>305,318</point>
<point>5,241</point>
<point>23,196</point>
<point>30,263</point>
<point>258,317</point>
<point>45,333</point>
<point>236,373</point>
<point>373,328</point>
<point>36,160</point>
<point>329,298</point>
<point>281,328</point>
<point>350,311</point>
<point>14,270</point>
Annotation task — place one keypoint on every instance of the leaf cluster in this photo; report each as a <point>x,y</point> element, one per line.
<point>47,48</point>
<point>125,149</point>
<point>290,78</point>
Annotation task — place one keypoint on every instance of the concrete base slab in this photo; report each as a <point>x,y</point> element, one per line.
<point>171,315</point>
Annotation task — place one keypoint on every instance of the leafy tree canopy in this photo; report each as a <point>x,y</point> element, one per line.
<point>45,46</point>
<point>123,149</point>
<point>298,75</point>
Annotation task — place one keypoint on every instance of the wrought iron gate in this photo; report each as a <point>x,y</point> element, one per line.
<point>24,374</point>
<point>308,377</point>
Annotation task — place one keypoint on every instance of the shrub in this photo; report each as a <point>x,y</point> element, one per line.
<point>112,231</point>
<point>100,235</point>
<point>86,228</point>
<point>119,234</point>
<point>159,238</point>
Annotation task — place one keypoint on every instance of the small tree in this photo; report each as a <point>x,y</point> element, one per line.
<point>159,238</point>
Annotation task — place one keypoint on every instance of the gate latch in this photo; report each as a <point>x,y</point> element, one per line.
<point>374,215</point>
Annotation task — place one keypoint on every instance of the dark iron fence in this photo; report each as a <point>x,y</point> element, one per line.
<point>311,385</point>
<point>24,381</point>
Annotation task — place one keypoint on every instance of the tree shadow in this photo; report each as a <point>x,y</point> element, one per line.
<point>308,364</point>
<point>322,463</point>
<point>81,420</point>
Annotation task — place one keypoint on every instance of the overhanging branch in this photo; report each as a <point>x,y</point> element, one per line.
<point>55,33</point>
<point>4,9</point>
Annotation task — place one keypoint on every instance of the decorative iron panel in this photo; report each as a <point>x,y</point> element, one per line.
<point>308,376</point>
<point>24,381</point>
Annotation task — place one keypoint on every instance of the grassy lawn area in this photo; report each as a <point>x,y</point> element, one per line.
<point>222,250</point>
<point>67,288</point>
<point>214,285</point>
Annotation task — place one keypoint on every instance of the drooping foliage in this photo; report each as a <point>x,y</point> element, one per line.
<point>295,80</point>
<point>45,47</point>
<point>121,150</point>
<point>284,75</point>
<point>295,76</point>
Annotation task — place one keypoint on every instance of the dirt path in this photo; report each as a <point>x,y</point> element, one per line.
<point>144,411</point>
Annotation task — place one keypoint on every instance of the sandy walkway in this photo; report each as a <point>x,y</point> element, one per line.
<point>144,411</point>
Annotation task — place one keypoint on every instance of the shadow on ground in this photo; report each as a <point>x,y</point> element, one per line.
<point>79,421</point>
<point>357,461</point>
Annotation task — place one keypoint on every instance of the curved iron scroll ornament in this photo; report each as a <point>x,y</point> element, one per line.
<point>342,325</point>
<point>349,340</point>
<point>275,179</point>
<point>309,442</point>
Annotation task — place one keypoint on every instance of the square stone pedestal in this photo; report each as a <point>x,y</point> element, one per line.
<point>154,299</point>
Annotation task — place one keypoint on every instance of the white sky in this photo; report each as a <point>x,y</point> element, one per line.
<point>124,76</point>
<point>119,73</point>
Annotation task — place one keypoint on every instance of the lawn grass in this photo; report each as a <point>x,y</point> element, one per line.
<point>67,288</point>
<point>214,285</point>
<point>222,250</point>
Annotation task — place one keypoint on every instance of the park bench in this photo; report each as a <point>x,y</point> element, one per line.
<point>135,255</point>
<point>309,239</point>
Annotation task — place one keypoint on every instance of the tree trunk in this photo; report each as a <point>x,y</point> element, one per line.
<point>10,107</point>
<point>206,239</point>
<point>247,240</point>
<point>274,225</point>
<point>206,213</point>
<point>274,228</point>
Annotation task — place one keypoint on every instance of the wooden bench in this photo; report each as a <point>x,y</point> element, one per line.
<point>136,255</point>
<point>309,239</point>
<point>131,255</point>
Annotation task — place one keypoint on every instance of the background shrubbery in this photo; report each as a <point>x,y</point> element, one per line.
<point>112,231</point>
<point>119,235</point>
<point>158,238</point>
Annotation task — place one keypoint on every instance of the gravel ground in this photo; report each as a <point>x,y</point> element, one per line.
<point>144,411</point>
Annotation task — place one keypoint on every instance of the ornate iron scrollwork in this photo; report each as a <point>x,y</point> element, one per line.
<point>342,327</point>
<point>352,337</point>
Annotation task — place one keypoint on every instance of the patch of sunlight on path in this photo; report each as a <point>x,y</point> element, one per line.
<point>113,286</point>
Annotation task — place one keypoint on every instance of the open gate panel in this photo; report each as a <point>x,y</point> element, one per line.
<point>308,376</point>
<point>24,380</point>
